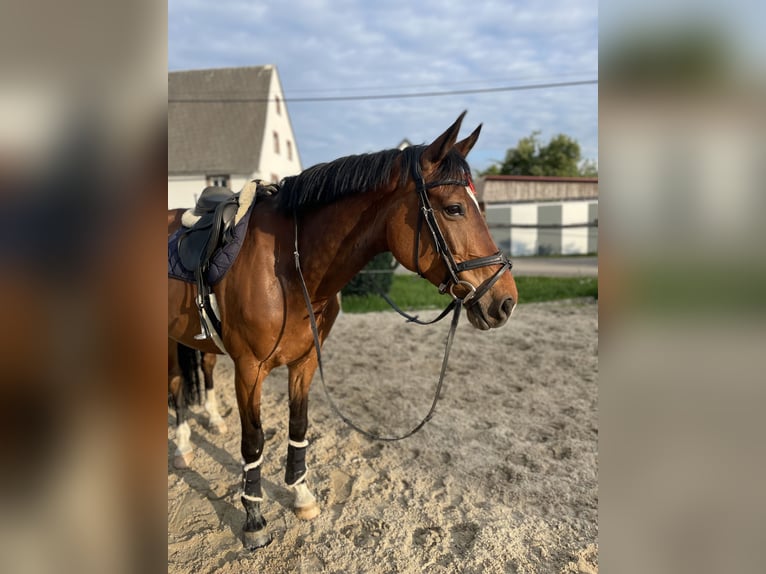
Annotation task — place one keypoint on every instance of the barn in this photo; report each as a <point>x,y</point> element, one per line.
<point>534,215</point>
<point>227,126</point>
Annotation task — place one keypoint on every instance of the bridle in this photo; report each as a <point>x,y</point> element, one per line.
<point>425,213</point>
<point>452,280</point>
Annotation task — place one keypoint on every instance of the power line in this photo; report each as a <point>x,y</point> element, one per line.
<point>385,96</point>
<point>439,84</point>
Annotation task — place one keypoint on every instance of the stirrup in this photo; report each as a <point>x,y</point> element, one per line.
<point>204,333</point>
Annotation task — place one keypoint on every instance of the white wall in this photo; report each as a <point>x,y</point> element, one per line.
<point>183,191</point>
<point>574,240</point>
<point>272,163</point>
<point>524,241</point>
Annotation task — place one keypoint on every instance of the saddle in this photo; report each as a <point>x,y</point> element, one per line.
<point>208,227</point>
<point>213,218</point>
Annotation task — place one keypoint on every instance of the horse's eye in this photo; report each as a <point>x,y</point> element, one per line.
<point>454,210</point>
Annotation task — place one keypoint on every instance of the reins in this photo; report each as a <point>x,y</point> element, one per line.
<point>456,305</point>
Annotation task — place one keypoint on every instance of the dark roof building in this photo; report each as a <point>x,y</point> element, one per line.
<point>225,127</point>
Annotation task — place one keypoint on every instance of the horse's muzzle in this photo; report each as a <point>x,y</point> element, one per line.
<point>490,315</point>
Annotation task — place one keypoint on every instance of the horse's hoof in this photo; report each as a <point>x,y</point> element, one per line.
<point>183,460</point>
<point>257,539</point>
<point>307,512</point>
<point>218,427</point>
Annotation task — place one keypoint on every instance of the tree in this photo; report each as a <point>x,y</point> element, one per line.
<point>559,157</point>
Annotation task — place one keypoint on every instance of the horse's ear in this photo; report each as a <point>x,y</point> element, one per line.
<point>439,148</point>
<point>464,146</point>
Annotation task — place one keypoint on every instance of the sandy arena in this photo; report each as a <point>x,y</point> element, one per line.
<point>503,478</point>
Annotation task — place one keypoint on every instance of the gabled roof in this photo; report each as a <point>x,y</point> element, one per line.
<point>211,136</point>
<point>517,188</point>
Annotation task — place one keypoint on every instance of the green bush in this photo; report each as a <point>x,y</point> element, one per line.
<point>376,277</point>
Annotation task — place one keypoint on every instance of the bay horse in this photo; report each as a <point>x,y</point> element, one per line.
<point>333,218</point>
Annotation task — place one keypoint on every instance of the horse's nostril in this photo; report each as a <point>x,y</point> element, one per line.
<point>507,307</point>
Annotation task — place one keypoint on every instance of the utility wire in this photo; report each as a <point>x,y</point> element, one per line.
<point>432,85</point>
<point>193,100</point>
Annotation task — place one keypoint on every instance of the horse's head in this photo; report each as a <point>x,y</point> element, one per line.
<point>443,235</point>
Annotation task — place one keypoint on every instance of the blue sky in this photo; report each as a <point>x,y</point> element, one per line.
<point>326,48</point>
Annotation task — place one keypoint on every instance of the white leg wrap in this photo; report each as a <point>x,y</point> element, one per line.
<point>296,447</point>
<point>183,438</point>
<point>301,480</point>
<point>251,466</point>
<point>255,464</point>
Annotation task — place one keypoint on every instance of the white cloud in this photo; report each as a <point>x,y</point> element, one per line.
<point>355,47</point>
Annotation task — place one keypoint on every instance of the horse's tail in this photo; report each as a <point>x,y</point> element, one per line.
<point>189,361</point>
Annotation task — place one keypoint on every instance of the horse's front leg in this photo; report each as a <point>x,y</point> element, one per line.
<point>300,374</point>
<point>249,377</point>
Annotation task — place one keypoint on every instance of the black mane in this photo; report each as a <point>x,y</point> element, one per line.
<point>326,183</point>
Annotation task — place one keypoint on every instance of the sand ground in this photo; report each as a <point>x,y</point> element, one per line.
<point>502,479</point>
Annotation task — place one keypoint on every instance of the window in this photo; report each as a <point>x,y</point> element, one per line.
<point>276,142</point>
<point>279,105</point>
<point>218,180</point>
<point>289,150</point>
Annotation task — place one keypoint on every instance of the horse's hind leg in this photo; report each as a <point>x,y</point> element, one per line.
<point>300,374</point>
<point>215,420</point>
<point>183,453</point>
<point>249,377</point>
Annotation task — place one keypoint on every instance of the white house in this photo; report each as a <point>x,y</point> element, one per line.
<point>530,215</point>
<point>226,127</point>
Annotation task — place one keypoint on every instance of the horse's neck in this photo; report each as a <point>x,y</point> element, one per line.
<point>336,242</point>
